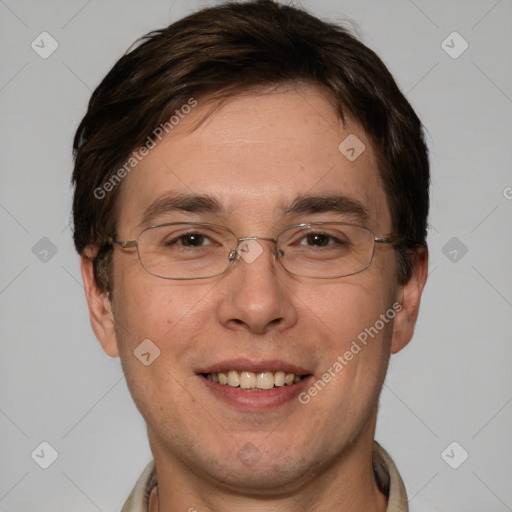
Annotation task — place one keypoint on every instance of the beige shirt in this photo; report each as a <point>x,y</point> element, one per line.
<point>386,474</point>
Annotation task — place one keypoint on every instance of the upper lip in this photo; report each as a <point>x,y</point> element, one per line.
<point>255,366</point>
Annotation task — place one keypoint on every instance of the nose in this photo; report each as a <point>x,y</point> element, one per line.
<point>255,296</point>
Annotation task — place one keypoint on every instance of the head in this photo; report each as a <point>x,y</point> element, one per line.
<point>239,110</point>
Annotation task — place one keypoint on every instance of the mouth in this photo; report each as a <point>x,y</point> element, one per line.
<point>254,381</point>
<point>252,385</point>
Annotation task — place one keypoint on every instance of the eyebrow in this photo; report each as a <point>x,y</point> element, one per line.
<point>328,203</point>
<point>191,203</point>
<point>303,204</point>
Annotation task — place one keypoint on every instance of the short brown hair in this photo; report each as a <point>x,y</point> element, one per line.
<point>223,51</point>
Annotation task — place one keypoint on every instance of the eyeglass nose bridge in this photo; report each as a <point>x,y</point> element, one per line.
<point>235,254</point>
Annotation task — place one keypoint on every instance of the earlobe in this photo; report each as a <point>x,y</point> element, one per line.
<point>409,298</point>
<point>100,306</point>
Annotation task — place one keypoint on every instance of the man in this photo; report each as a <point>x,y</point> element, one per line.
<point>250,210</point>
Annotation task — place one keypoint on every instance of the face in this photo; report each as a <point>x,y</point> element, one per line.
<point>255,156</point>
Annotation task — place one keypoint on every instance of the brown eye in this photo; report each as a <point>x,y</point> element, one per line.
<point>192,240</point>
<point>317,239</point>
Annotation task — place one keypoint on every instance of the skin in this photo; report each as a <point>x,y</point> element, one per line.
<point>254,153</point>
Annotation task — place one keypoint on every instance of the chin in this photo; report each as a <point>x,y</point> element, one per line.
<point>269,478</point>
<point>248,471</point>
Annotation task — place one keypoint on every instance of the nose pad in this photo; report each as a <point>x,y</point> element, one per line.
<point>233,255</point>
<point>249,250</point>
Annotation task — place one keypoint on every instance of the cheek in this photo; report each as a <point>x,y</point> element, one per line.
<point>170,314</point>
<point>357,322</point>
<point>347,308</point>
<point>354,362</point>
<point>156,329</point>
<point>143,304</point>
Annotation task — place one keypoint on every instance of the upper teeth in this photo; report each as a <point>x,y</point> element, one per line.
<point>250,380</point>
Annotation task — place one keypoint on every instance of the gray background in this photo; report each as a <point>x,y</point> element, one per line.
<point>452,383</point>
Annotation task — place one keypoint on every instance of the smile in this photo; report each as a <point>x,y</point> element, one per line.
<point>250,381</point>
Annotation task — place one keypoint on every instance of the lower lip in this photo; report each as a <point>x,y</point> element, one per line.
<point>256,400</point>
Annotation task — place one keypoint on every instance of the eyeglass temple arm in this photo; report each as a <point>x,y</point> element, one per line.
<point>390,239</point>
<point>124,245</point>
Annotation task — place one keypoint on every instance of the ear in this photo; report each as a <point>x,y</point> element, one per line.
<point>100,306</point>
<point>409,296</point>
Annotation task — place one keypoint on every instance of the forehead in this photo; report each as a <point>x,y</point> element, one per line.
<point>255,154</point>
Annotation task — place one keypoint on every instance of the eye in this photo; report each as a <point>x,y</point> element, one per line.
<point>317,239</point>
<point>192,240</point>
<point>323,240</point>
<point>182,239</point>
